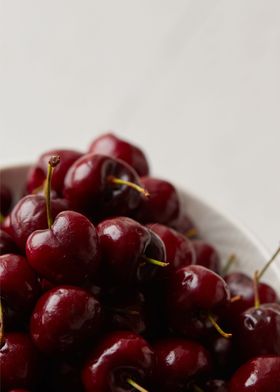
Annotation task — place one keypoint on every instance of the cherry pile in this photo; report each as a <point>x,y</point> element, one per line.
<point>106,286</point>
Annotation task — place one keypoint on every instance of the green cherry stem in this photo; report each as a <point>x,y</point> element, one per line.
<point>53,162</point>
<point>1,218</point>
<point>136,386</point>
<point>259,274</point>
<point>119,181</point>
<point>217,327</point>
<point>156,262</point>
<point>267,265</point>
<point>230,261</point>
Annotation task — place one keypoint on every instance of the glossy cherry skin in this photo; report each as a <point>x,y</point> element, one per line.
<point>206,255</point>
<point>38,172</point>
<point>197,288</point>
<point>19,284</point>
<point>68,252</point>
<point>124,242</point>
<point>7,245</point>
<point>179,250</point>
<point>5,199</point>
<point>88,186</point>
<point>29,214</point>
<point>112,146</point>
<point>119,356</point>
<point>261,374</point>
<point>258,331</point>
<point>19,362</point>
<point>64,318</point>
<point>183,224</point>
<point>179,362</point>
<point>162,205</point>
<point>242,285</point>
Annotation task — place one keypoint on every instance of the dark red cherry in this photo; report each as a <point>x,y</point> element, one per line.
<point>124,245</point>
<point>261,374</point>
<point>19,284</point>
<point>29,214</point>
<point>258,331</point>
<point>5,199</point>
<point>162,205</point>
<point>242,285</point>
<point>222,352</point>
<point>197,288</point>
<point>7,245</point>
<point>179,249</point>
<point>18,362</point>
<point>66,253</point>
<point>120,359</point>
<point>179,362</point>
<point>184,225</point>
<point>126,310</point>
<point>38,172</point>
<point>91,186</point>
<point>206,255</point>
<point>64,319</point>
<point>112,146</point>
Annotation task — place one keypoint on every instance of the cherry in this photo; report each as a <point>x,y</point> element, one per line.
<point>7,244</point>
<point>206,255</point>
<point>196,287</point>
<point>67,252</point>
<point>222,352</point>
<point>19,362</point>
<point>19,285</point>
<point>242,286</point>
<point>125,244</point>
<point>110,145</point>
<point>162,205</point>
<point>261,374</point>
<point>184,225</point>
<point>38,172</point>
<point>121,360</point>
<point>29,214</point>
<point>178,363</point>
<point>194,294</point>
<point>258,331</point>
<point>63,319</point>
<point>179,249</point>
<point>102,186</point>
<point>5,200</point>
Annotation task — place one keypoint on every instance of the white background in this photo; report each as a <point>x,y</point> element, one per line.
<point>195,82</point>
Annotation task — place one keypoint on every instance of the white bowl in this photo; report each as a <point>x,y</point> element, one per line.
<point>227,235</point>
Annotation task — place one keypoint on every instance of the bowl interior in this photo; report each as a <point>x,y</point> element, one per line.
<point>214,226</point>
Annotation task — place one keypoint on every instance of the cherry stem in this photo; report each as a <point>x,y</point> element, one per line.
<point>132,185</point>
<point>136,386</point>
<point>230,261</point>
<point>235,298</point>
<point>191,233</point>
<point>267,265</point>
<point>1,325</point>
<point>1,218</point>
<point>217,327</point>
<point>53,162</point>
<point>256,289</point>
<point>196,388</point>
<point>156,262</point>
